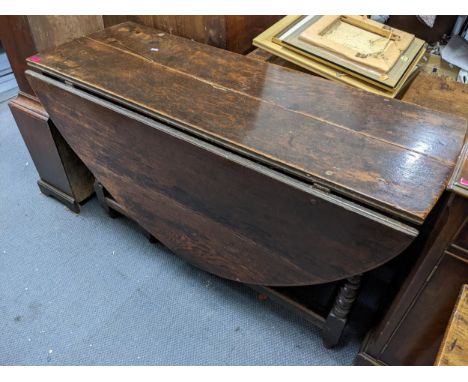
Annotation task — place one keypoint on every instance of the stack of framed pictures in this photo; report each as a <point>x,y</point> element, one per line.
<point>351,49</point>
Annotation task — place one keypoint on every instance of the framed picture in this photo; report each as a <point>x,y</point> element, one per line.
<point>351,49</point>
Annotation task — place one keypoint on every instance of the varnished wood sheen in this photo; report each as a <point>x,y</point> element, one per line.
<point>391,155</point>
<point>221,212</point>
<point>411,335</point>
<point>243,178</point>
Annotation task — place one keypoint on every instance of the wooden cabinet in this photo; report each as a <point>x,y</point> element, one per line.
<point>61,173</point>
<point>411,331</point>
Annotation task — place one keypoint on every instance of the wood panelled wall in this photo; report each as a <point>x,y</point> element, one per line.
<point>234,33</point>
<point>51,31</point>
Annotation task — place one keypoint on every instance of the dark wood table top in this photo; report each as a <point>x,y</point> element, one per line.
<point>390,155</point>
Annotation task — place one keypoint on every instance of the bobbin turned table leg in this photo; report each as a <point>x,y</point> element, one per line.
<point>338,315</point>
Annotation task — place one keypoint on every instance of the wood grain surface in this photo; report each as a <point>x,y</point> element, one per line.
<point>438,93</point>
<point>391,155</point>
<point>56,164</point>
<point>454,348</point>
<point>51,31</point>
<point>220,211</point>
<point>33,123</point>
<point>206,29</point>
<point>231,32</point>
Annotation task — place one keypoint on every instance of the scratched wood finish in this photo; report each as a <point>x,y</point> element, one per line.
<point>438,93</point>
<point>388,154</point>
<point>454,348</point>
<point>206,29</point>
<point>51,31</point>
<point>264,81</point>
<point>231,32</point>
<point>221,212</point>
<point>427,90</point>
<point>22,36</point>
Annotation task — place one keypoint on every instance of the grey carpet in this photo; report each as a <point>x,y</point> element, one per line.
<point>8,86</point>
<point>88,290</point>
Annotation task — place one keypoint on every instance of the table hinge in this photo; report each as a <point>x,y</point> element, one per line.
<point>321,187</point>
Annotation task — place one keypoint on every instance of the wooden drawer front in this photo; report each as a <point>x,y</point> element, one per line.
<point>222,212</point>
